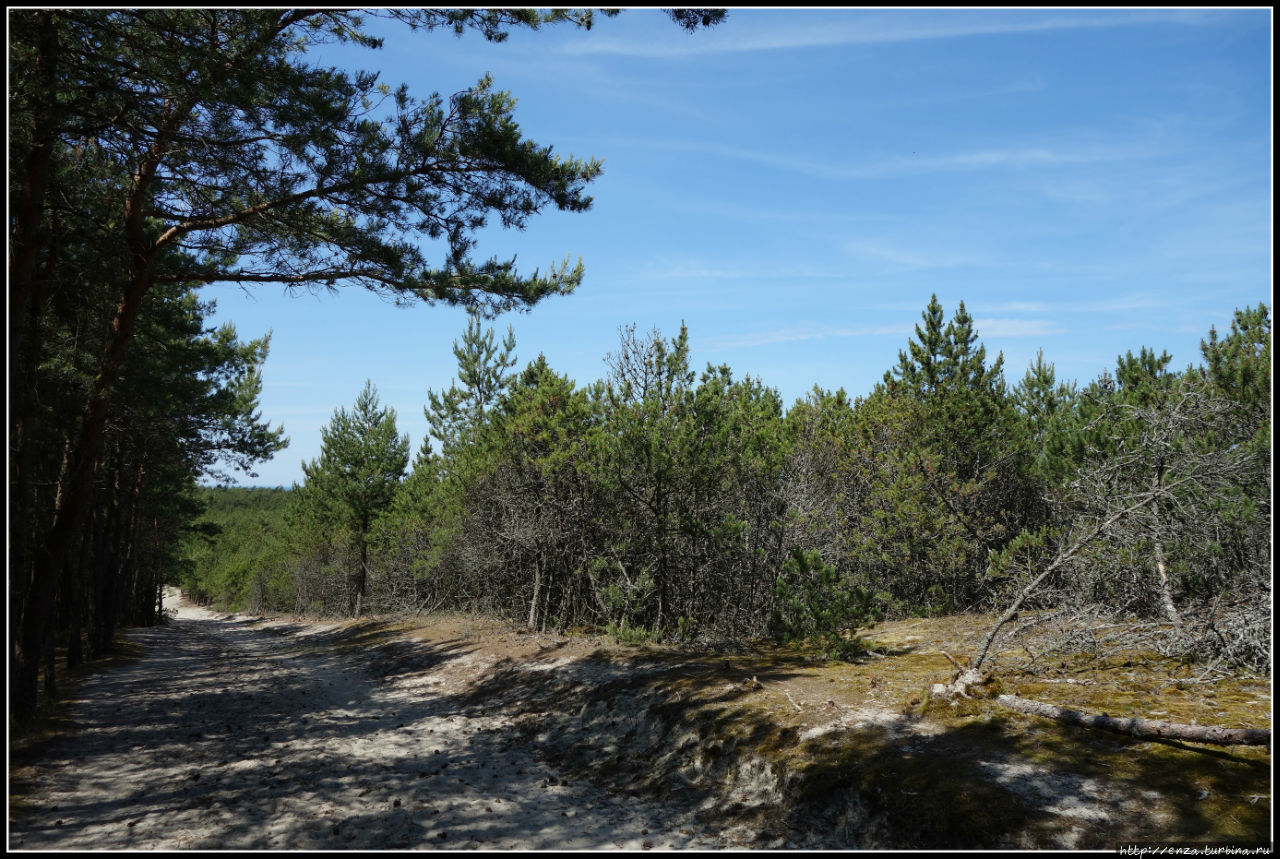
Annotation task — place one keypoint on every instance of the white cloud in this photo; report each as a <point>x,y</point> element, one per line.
<point>682,270</point>
<point>986,159</point>
<point>1135,301</point>
<point>865,29</point>
<point>1022,307</point>
<point>987,328</point>
<point>1009,158</point>
<point>799,333</point>
<point>914,258</point>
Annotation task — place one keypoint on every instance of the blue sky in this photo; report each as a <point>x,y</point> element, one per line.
<point>794,185</point>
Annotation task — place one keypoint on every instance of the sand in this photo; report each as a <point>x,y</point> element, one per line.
<point>230,736</point>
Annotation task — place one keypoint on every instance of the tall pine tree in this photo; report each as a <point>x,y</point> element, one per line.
<point>196,146</point>
<point>483,377</point>
<point>362,461</point>
<point>963,477</point>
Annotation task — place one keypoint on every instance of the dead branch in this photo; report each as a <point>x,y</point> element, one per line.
<point>1064,555</point>
<point>1145,729</point>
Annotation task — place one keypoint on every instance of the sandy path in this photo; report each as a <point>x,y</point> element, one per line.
<point>226,736</point>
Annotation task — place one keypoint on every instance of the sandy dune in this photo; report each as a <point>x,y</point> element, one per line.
<point>227,736</point>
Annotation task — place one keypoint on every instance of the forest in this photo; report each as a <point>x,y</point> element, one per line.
<point>660,503</point>
<point>156,151</point>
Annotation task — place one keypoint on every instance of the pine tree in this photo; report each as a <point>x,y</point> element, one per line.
<point>919,367</point>
<point>961,475</point>
<point>647,402</point>
<point>362,461</point>
<point>1046,405</point>
<point>964,363</point>
<point>942,358</point>
<point>483,378</point>
<point>540,439</point>
<point>192,146</point>
<point>1239,368</point>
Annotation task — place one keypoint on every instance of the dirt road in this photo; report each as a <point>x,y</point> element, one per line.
<point>228,736</point>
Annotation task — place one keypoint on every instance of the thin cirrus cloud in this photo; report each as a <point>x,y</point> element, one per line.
<point>798,333</point>
<point>694,270</point>
<point>1017,327</point>
<point>861,30</point>
<point>901,258</point>
<point>1118,303</point>
<point>1011,158</point>
<point>1016,158</point>
<point>986,328</point>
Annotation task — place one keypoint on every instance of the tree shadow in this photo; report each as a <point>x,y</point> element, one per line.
<point>676,726</point>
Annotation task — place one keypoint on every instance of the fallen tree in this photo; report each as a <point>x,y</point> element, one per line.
<point>1175,466</point>
<point>1156,480</point>
<point>1143,729</point>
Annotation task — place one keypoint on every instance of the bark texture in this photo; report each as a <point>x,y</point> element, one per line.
<point>1146,729</point>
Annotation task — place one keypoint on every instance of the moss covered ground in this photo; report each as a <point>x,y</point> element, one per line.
<point>791,744</point>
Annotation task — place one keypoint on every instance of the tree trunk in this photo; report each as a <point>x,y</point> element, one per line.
<point>29,235</point>
<point>74,599</point>
<point>537,591</point>
<point>51,667</point>
<point>546,596</point>
<point>75,620</point>
<point>75,491</point>
<point>1143,729</point>
<point>1166,593</point>
<point>98,577</point>
<point>362,575</point>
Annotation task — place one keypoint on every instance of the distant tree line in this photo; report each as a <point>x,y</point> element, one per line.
<point>660,502</point>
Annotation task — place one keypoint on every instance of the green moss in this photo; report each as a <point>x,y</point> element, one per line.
<point>1190,792</point>
<point>941,793</point>
<point>928,795</point>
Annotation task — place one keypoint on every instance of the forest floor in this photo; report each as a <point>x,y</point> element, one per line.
<point>235,732</point>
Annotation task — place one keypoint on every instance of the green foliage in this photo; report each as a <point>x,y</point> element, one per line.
<point>426,524</point>
<point>153,150</point>
<point>460,412</point>
<point>362,461</point>
<point>688,474</point>
<point>686,628</point>
<point>813,604</point>
<point>944,359</point>
<point>942,473</point>
<point>664,504</point>
<point>323,192</point>
<point>1161,505</point>
<point>623,633</point>
<point>238,557</point>
<point>646,405</point>
<point>660,504</point>
<point>1180,444</point>
<point>1239,368</point>
<point>1048,408</point>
